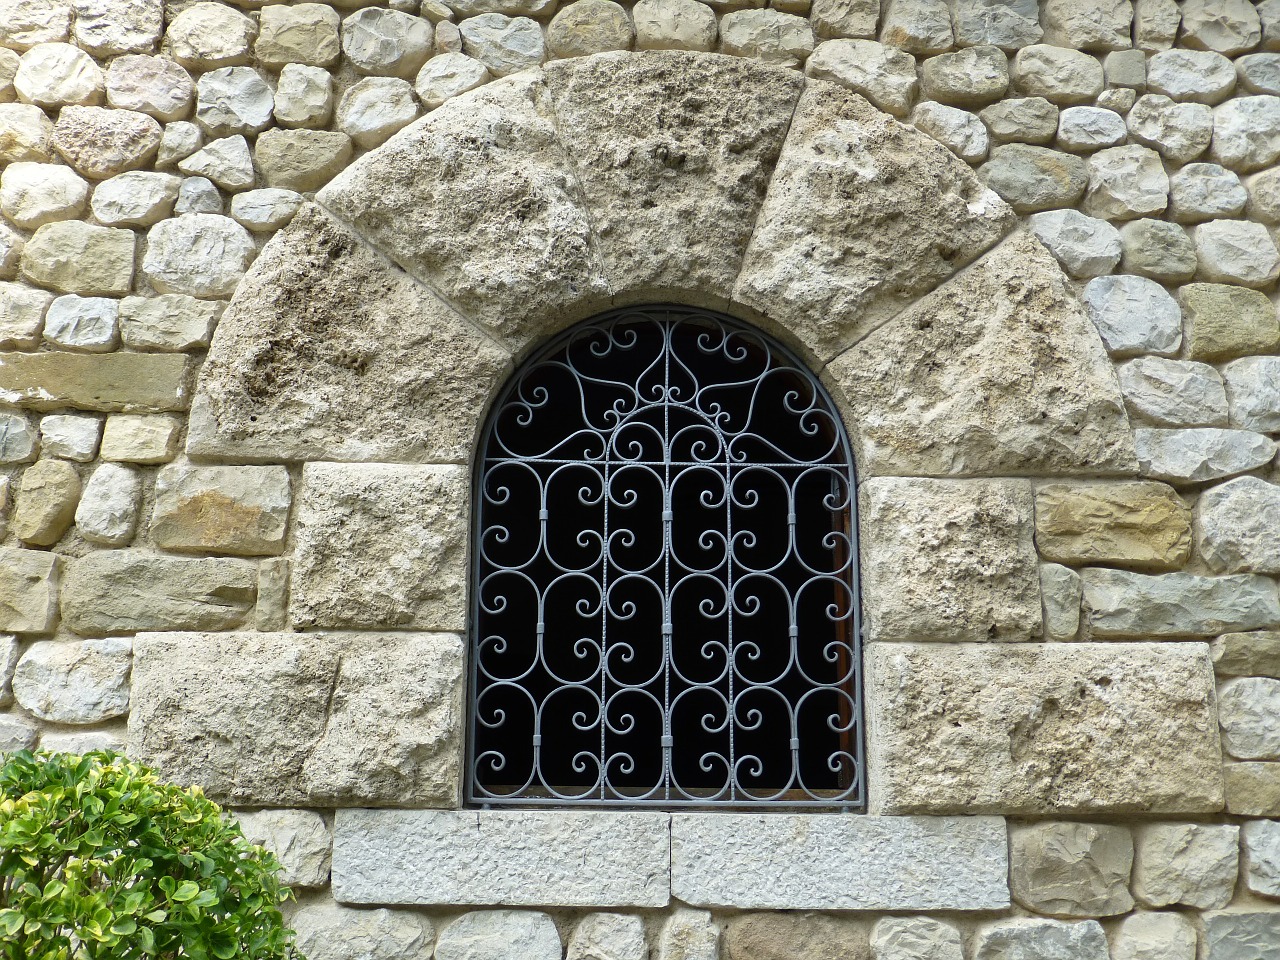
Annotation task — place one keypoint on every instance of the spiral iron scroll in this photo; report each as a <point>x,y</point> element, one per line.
<point>665,602</point>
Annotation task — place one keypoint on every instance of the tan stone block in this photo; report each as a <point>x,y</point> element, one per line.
<point>45,504</point>
<point>305,33</point>
<point>101,143</point>
<point>1071,869</point>
<point>1042,728</point>
<point>301,160</point>
<point>1252,654</point>
<point>1136,523</point>
<point>787,936</point>
<point>1186,864</point>
<point>28,590</point>
<point>237,510</point>
<point>129,438</point>
<point>113,381</point>
<point>75,257</point>
<point>1226,321</point>
<point>272,612</point>
<point>1253,789</point>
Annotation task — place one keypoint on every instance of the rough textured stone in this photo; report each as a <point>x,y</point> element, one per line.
<point>1057,74</point>
<point>265,210</point>
<point>438,200</point>
<point>135,199</point>
<point>304,96</point>
<point>302,160</point>
<point>1023,120</point>
<point>499,935</point>
<point>960,132</point>
<point>25,133</point>
<point>1060,595</point>
<point>835,862</point>
<point>108,510</point>
<point>1174,393</point>
<point>1200,454</point>
<point>957,368</point>
<point>54,75</point>
<point>1264,196</point>
<point>380,546</point>
<point>33,194</point>
<point>90,324</point>
<point>236,510</point>
<point>674,25</point>
<point>168,322</point>
<point>101,143</point>
<point>327,931</point>
<point>608,936</point>
<point>501,858</point>
<point>915,938</point>
<point>1133,315</point>
<point>1118,603</point>
<point>1259,73</point>
<point>1253,387</point>
<point>287,357</point>
<point>1071,869</point>
<point>1179,131</point>
<point>505,45</point>
<point>45,503</point>
<point>17,734</point>
<point>1154,936</point>
<point>447,75</point>
<point>949,560</point>
<point>117,381</point>
<point>1085,246</point>
<point>1247,654</point>
<point>233,100</point>
<point>919,26</point>
<point>179,140</point>
<point>779,936</point>
<point>1246,132</point>
<point>299,839</point>
<point>1227,26</point>
<point>1185,864</point>
<point>129,438</point>
<point>1241,935</point>
<point>306,33</point>
<point>1159,250</point>
<point>1050,939</point>
<point>592,26</point>
<point>1126,182</point>
<point>199,254</point>
<point>70,436</point>
<point>884,75</point>
<point>1262,857</point>
<point>777,38</point>
<point>1235,527</point>
<point>28,22</point>
<point>22,311</point>
<point>1137,523</point>
<point>1253,789</point>
<point>28,590</point>
<point>1042,728</point>
<point>1007,24</point>
<point>1235,251</point>
<point>74,682</point>
<point>1203,191</point>
<point>891,216</point>
<point>80,742</point>
<point>1249,709</point>
<point>320,719</point>
<point>151,85</point>
<point>386,43</point>
<point>1087,24</point>
<point>11,243</point>
<point>1197,76</point>
<point>74,257</point>
<point>845,18</point>
<point>17,438</point>
<point>1227,321</point>
<point>210,35</point>
<point>1033,178</point>
<point>1090,128</point>
<point>226,162</point>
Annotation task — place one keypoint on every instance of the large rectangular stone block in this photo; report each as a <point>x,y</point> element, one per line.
<point>1042,728</point>
<point>839,862</point>
<point>1118,603</point>
<point>137,382</point>
<point>286,719</point>
<point>523,859</point>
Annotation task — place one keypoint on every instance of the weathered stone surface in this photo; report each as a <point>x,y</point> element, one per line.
<point>777,38</point>
<point>1241,934</point>
<point>136,199</point>
<point>236,510</point>
<point>25,133</point>
<point>210,35</point>
<point>1159,250</point>
<point>1174,393</point>
<point>287,357</point>
<point>304,96</point>
<point>28,22</point>
<point>1087,24</point>
<point>1035,178</point>
<point>1118,603</point>
<point>199,254</point>
<point>1235,251</point>
<point>1090,128</point>
<point>17,734</point>
<point>915,938</point>
<point>1085,246</point>
<point>33,194</point>
<point>500,858</point>
<point>168,322</point>
<point>1259,73</point>
<point>1253,789</point>
<point>54,75</point>
<point>499,935</point>
<point>1185,864</point>
<point>1236,524</point>
<point>17,438</point>
<point>1200,454</point>
<point>949,560</point>
<point>608,936</point>
<point>71,436</point>
<point>28,590</point>
<point>1253,387</point>
<point>299,839</point>
<point>838,863</point>
<point>386,43</point>
<point>1179,131</point>
<point>9,649</point>
<point>1256,653</point>
<point>22,311</point>
<point>960,132</point>
<point>74,682</point>
<point>1126,182</point>
<point>1021,120</point>
<point>828,257</point>
<point>972,77</point>
<point>101,143</point>
<point>108,508</point>
<point>1042,728</point>
<point>1203,191</point>
<point>1026,938</point>
<point>1227,321</point>
<point>380,546</point>
<point>1227,26</point>
<point>1137,523</point>
<point>306,33</point>
<point>1057,73</point>
<point>674,25</point>
<point>1154,936</point>
<point>179,140</point>
<point>302,159</point>
<point>1007,24</point>
<point>1195,75</point>
<point>780,936</point>
<point>114,381</point>
<point>447,75</point>
<point>327,931</point>
<point>80,742</point>
<point>1246,132</point>
<point>1060,592</point>
<point>617,116</point>
<point>74,257</point>
<point>316,719</point>
<point>505,45</point>
<point>90,324</point>
<point>226,162</point>
<point>11,243</point>
<point>265,210</point>
<point>845,18</point>
<point>104,27</point>
<point>1071,869</point>
<point>1249,709</point>
<point>45,502</point>
<point>1133,315</point>
<point>884,75</point>
<point>1262,857</point>
<point>151,85</point>
<point>438,200</point>
<point>592,26</point>
<point>947,386</point>
<point>138,438</point>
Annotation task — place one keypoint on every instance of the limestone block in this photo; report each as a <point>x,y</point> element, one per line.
<point>1021,120</point>
<point>1126,182</point>
<point>71,436</point>
<point>9,649</point>
<point>115,381</point>
<point>781,936</point>
<point>90,324</point>
<point>1246,132</point>
<point>1200,76</point>
<point>1227,26</point>
<point>947,386</point>
<point>273,595</point>
<point>380,546</point>
<point>1227,321</point>
<point>306,33</point>
<point>499,935</point>
<point>1034,178</point>
<point>17,734</point>
<point>1253,387</point>
<point>826,253</point>
<point>1087,24</point>
<point>302,160</point>
<point>1027,937</point>
<point>375,108</point>
<point>210,35</point>
<point>299,839</point>
<point>226,162</point>
<point>1082,129</point>
<point>123,591</point>
<point>1253,789</point>
<point>168,322</point>
<point>593,26</point>
<point>1042,728</point>
<point>1256,653</point>
<point>1241,935</point>
<point>327,931</point>
<point>1269,15</point>
<point>27,22</point>
<point>504,44</point>
<point>1204,191</point>
<point>199,254</point>
<point>74,682</point>
<point>108,510</point>
<point>53,75</point>
<point>1235,251</point>
<point>1186,864</point>
<point>1085,246</point>
<point>781,39</point>
<point>1133,315</point>
<point>25,133</point>
<point>471,8</point>
<point>1119,603</point>
<point>884,75</point>
<point>1249,709</point>
<point>617,118</point>
<point>101,143</point>
<point>1056,73</point>
<point>1159,250</point>
<point>22,311</point>
<point>501,858</point>
<point>11,243</point>
<point>1060,591</point>
<point>81,742</point>
<point>674,25</point>
<point>386,42</point>
<point>179,140</point>
<point>235,510</point>
<point>1259,73</point>
<point>438,201</point>
<point>960,132</point>
<point>1154,936</point>
<point>304,95</point>
<point>131,438</point>
<point>287,358</point>
<point>949,560</point>
<point>151,85</point>
<point>1071,869</point>
<point>28,590</point>
<point>33,194</point>
<point>135,199</point>
<point>17,438</point>
<point>45,502</point>
<point>1135,523</point>
<point>1174,393</point>
<point>1126,68</point>
<point>74,257</point>
<point>845,18</point>
<point>447,75</point>
<point>1236,524</point>
<point>106,27</point>
<point>265,210</point>
<point>1262,857</point>
<point>608,936</point>
<point>1200,454</point>
<point>1007,24</point>
<point>915,938</point>
<point>1179,131</point>
<point>835,862</point>
<point>233,100</point>
<point>316,719</point>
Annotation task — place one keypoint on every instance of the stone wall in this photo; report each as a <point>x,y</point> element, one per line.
<point>237,543</point>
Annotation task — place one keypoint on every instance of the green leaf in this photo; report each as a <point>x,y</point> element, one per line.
<point>187,890</point>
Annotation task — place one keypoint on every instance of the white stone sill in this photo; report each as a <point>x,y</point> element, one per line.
<point>606,859</point>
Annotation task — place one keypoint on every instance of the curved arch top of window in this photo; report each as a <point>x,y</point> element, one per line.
<point>665,595</point>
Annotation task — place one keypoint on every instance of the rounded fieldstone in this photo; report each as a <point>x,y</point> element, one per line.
<point>1260,72</point>
<point>1057,74</point>
<point>202,255</point>
<point>1174,393</point>
<point>33,194</point>
<point>499,935</point>
<point>769,35</point>
<point>1156,249</point>
<point>1134,315</point>
<point>25,133</point>
<point>972,77</point>
<point>1236,251</point>
<point>1205,191</point>
<point>136,199</point>
<point>1253,385</point>
<point>210,35</point>
<point>153,85</point>
<point>386,43</point>
<point>233,100</point>
<point>1126,183</point>
<point>960,132</point>
<point>108,509</point>
<point>57,74</point>
<point>1200,76</point>
<point>1235,526</point>
<point>227,162</point>
<point>89,324</point>
<point>1228,27</point>
<point>306,33</point>
<point>375,108</point>
<point>1086,247</point>
<point>101,143</point>
<point>884,75</point>
<point>589,26</point>
<point>505,45</point>
<point>1021,120</point>
<point>265,210</point>
<point>45,502</point>
<point>304,96</point>
<point>674,25</point>
<point>1249,710</point>
<point>1246,133</point>
<point>1081,129</point>
<point>447,75</point>
<point>179,140</point>
<point>198,195</point>
<point>1035,178</point>
<point>75,682</point>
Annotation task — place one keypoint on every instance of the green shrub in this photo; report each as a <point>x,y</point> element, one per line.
<point>99,859</point>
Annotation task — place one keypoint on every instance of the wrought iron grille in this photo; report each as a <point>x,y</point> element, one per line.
<point>665,602</point>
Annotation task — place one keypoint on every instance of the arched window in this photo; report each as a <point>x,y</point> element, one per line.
<point>665,600</point>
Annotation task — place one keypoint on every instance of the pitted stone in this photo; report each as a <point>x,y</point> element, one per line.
<point>782,936</point>
<point>327,931</point>
<point>1119,603</point>
<point>313,719</point>
<point>1042,728</point>
<point>101,143</point>
<point>947,386</point>
<point>608,936</point>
